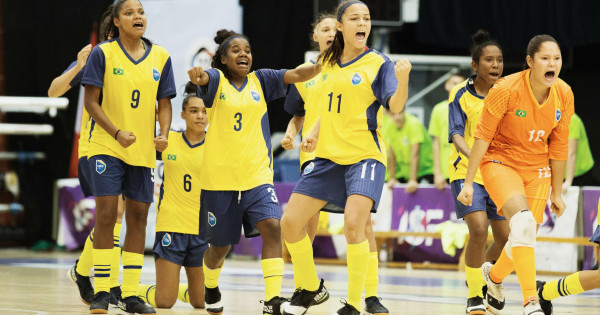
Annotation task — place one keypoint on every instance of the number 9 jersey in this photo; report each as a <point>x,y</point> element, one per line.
<point>130,90</point>
<point>350,97</point>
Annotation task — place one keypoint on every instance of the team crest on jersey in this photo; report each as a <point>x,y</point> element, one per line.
<point>118,71</point>
<point>356,79</point>
<point>309,168</point>
<point>222,96</point>
<point>100,166</point>
<point>166,240</point>
<point>212,220</point>
<point>309,83</point>
<point>171,157</point>
<point>255,95</point>
<point>155,74</point>
<point>558,115</point>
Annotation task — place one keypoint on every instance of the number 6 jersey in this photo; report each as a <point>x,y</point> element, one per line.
<point>130,89</point>
<point>350,97</point>
<point>238,153</point>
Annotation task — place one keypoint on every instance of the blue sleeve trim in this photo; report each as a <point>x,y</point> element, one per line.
<point>94,69</point>
<point>294,104</point>
<point>207,93</point>
<point>456,116</point>
<point>271,82</point>
<point>166,86</point>
<point>385,83</point>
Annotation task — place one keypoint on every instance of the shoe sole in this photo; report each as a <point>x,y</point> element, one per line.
<point>214,313</point>
<point>477,312</point>
<point>70,276</point>
<point>98,311</point>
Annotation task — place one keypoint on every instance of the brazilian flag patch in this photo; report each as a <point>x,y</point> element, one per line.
<point>171,157</point>
<point>521,113</point>
<point>118,71</point>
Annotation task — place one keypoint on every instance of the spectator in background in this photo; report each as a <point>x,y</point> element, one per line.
<point>438,130</point>
<point>580,160</point>
<point>409,151</point>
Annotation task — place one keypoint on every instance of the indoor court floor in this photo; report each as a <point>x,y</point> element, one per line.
<point>37,283</point>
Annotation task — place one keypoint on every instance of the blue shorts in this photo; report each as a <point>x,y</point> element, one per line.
<point>596,236</point>
<point>110,177</point>
<point>83,173</point>
<point>481,201</point>
<point>328,181</point>
<point>223,213</point>
<point>182,249</point>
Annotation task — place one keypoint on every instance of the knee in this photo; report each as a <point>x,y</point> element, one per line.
<point>270,230</point>
<point>522,229</point>
<point>286,223</point>
<point>478,233</point>
<point>197,304</point>
<point>165,302</point>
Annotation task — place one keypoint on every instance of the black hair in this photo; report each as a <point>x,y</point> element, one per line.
<point>334,52</point>
<point>223,38</point>
<point>110,29</point>
<point>189,92</point>
<point>322,16</point>
<point>481,39</point>
<point>534,44</point>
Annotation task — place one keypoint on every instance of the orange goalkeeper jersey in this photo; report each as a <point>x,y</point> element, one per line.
<point>521,132</point>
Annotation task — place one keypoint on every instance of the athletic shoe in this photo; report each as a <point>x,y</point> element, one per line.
<point>347,309</point>
<point>533,307</point>
<point>212,301</point>
<point>374,307</point>
<point>99,303</point>
<point>305,299</point>
<point>545,304</point>
<point>475,306</point>
<point>495,291</point>
<point>115,296</point>
<point>275,305</point>
<point>133,304</point>
<point>86,291</point>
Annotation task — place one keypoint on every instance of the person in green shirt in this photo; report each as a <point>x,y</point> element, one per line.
<point>409,151</point>
<point>580,160</point>
<point>438,130</point>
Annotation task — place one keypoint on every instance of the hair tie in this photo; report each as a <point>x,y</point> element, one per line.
<point>344,9</point>
<point>224,46</point>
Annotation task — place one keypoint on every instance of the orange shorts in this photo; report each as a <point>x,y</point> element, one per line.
<point>503,182</point>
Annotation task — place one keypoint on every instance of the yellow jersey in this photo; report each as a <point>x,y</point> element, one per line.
<point>238,142</point>
<point>179,202</point>
<point>130,89</point>
<point>350,97</point>
<point>465,107</point>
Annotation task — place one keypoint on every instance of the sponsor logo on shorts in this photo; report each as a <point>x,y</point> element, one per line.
<point>166,240</point>
<point>558,115</point>
<point>356,79</point>
<point>212,220</point>
<point>255,95</point>
<point>100,166</point>
<point>155,74</point>
<point>309,168</point>
<point>521,113</point>
<point>118,71</point>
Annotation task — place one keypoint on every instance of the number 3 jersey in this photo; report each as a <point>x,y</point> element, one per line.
<point>521,132</point>
<point>350,97</point>
<point>130,90</point>
<point>238,142</point>
<point>179,202</point>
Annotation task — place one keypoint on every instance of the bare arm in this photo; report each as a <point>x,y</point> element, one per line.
<point>570,163</point>
<point>301,74</point>
<point>478,150</point>
<point>61,84</point>
<point>391,165</point>
<point>293,128</point>
<point>90,101</point>
<point>438,177</point>
<point>397,100</point>
<point>461,145</point>
<point>415,152</point>
<point>557,205</point>
<point>309,143</point>
<point>164,115</point>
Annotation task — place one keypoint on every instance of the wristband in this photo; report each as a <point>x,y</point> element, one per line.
<point>117,133</point>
